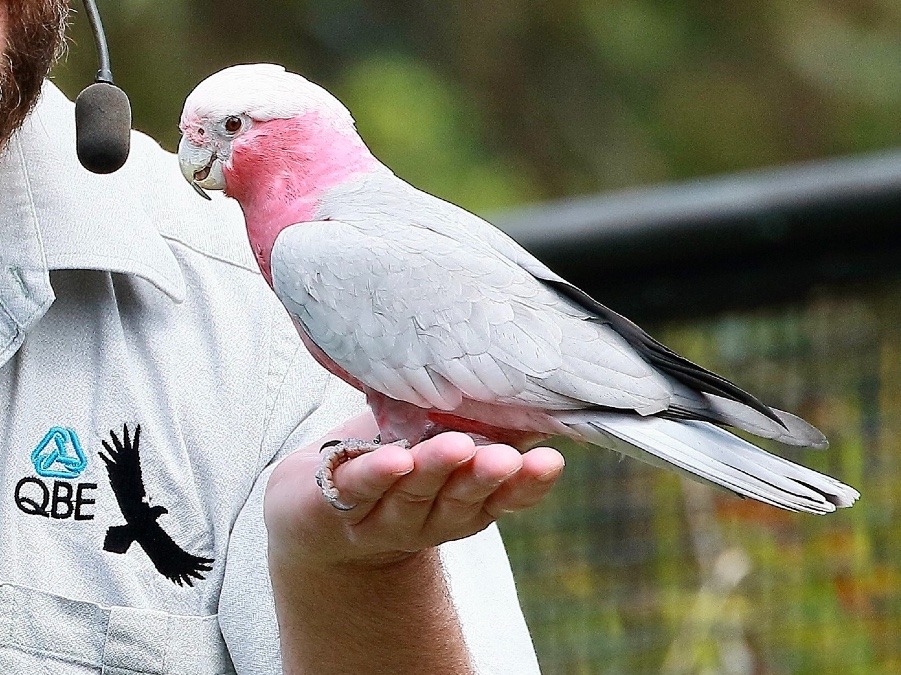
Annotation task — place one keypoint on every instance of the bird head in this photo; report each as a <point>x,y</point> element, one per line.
<point>250,121</point>
<point>272,140</point>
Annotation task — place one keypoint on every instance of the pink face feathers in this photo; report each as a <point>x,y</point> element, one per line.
<point>279,169</point>
<point>192,128</point>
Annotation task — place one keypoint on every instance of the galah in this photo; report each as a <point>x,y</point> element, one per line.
<point>444,322</point>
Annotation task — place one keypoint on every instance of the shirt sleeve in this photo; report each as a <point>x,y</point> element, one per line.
<point>477,570</point>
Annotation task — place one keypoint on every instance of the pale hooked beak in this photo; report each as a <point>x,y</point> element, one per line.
<point>201,167</point>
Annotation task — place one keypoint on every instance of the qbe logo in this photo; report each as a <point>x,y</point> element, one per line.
<point>58,460</point>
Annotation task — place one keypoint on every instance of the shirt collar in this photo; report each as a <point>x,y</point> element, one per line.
<point>84,221</point>
<point>55,215</point>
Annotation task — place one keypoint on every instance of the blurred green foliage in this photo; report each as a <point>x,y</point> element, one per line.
<point>491,104</point>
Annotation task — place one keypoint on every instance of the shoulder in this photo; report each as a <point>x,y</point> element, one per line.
<point>211,229</point>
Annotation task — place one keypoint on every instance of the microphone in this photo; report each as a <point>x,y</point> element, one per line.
<point>102,111</point>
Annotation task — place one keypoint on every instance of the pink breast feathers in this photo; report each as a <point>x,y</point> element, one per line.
<point>279,169</point>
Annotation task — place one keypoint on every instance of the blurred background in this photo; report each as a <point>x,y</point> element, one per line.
<point>495,105</point>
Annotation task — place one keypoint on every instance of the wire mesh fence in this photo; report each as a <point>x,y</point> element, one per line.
<point>629,569</point>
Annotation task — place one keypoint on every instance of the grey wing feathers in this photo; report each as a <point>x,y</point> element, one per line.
<point>793,429</point>
<point>653,351</point>
<point>698,393</point>
<point>511,309</point>
<point>423,318</point>
<point>789,429</point>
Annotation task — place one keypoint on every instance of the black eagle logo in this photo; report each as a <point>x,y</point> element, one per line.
<point>123,464</point>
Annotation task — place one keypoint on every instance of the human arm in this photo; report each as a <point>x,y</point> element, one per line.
<point>364,591</point>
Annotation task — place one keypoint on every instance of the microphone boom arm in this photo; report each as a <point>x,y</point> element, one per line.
<point>104,73</point>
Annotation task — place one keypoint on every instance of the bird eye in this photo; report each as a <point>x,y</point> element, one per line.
<point>232,124</point>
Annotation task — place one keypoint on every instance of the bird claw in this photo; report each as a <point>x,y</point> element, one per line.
<point>335,454</point>
<point>329,444</point>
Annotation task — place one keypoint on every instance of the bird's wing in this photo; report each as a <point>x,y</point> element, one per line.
<point>123,465</point>
<point>380,194</point>
<point>170,559</point>
<point>667,361</point>
<point>698,393</point>
<point>424,317</point>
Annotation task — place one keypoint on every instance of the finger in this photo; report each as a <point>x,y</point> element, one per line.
<point>541,467</point>
<point>460,505</point>
<point>408,503</point>
<point>364,480</point>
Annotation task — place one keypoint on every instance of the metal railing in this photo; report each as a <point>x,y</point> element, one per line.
<point>698,247</point>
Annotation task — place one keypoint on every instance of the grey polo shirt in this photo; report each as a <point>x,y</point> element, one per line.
<point>125,302</point>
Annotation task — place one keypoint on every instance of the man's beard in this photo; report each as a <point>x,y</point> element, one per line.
<point>34,38</point>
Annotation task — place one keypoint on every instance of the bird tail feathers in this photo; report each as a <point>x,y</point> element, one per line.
<point>705,452</point>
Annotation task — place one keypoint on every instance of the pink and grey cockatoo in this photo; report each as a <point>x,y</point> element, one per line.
<point>444,322</point>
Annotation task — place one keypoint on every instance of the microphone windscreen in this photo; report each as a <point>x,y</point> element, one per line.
<point>102,127</point>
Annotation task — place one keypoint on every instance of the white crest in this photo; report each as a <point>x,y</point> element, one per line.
<point>264,91</point>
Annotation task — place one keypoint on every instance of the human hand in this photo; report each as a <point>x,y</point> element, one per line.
<point>406,500</point>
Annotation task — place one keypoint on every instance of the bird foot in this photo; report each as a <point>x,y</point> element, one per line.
<point>335,454</point>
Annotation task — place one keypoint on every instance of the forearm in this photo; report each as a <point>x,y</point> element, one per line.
<point>393,618</point>
<point>350,596</point>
